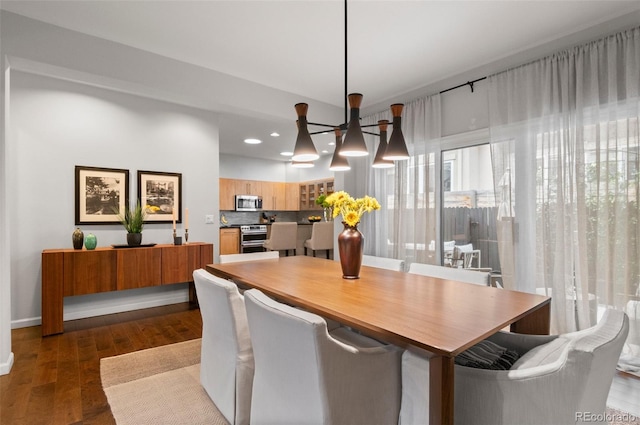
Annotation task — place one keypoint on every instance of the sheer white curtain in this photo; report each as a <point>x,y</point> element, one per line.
<point>406,223</point>
<point>564,133</point>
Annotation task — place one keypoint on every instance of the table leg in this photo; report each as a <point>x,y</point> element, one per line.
<point>441,390</point>
<point>538,322</point>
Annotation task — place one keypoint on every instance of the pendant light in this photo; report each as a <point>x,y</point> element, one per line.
<point>304,149</point>
<point>397,148</point>
<point>339,162</point>
<point>354,144</point>
<point>379,161</point>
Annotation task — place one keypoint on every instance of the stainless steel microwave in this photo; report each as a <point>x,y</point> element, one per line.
<point>248,203</point>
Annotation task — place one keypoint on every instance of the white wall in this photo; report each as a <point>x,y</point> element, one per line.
<point>236,167</point>
<point>6,356</point>
<point>56,125</point>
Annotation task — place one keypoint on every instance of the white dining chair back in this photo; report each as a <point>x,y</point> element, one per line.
<point>226,366</point>
<point>306,375</point>
<point>383,263</point>
<point>555,378</point>
<point>451,273</point>
<point>249,256</point>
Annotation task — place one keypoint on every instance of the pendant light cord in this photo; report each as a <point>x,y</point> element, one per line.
<point>346,117</point>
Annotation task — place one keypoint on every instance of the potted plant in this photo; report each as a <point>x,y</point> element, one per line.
<point>133,222</point>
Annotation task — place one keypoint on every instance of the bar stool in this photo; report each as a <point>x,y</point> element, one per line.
<point>283,237</point>
<point>321,238</point>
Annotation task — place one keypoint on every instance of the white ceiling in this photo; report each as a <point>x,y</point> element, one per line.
<point>396,48</point>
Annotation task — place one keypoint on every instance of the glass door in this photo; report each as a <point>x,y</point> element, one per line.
<point>469,211</point>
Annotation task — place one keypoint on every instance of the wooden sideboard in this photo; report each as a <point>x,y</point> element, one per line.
<point>70,272</point>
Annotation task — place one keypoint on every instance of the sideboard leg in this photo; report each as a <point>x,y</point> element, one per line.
<point>52,293</point>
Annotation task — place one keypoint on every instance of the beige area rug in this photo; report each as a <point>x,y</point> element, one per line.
<point>162,386</point>
<point>158,386</point>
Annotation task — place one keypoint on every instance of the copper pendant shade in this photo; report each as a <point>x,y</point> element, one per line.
<point>339,162</point>
<point>354,144</point>
<point>379,161</point>
<point>397,148</point>
<point>304,149</point>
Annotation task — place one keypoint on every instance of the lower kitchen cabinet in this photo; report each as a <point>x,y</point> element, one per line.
<point>229,241</point>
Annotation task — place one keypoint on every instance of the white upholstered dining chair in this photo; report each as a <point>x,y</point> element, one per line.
<point>555,379</point>
<point>306,375</point>
<point>451,273</point>
<point>226,364</point>
<point>383,263</point>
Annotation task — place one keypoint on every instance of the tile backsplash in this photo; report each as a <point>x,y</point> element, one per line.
<point>235,218</point>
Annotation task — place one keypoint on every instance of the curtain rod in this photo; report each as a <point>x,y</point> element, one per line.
<point>468,83</point>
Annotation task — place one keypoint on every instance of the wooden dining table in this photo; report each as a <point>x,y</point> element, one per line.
<point>444,317</point>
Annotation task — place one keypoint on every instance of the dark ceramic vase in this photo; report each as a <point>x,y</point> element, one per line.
<point>134,239</point>
<point>350,243</point>
<point>78,238</point>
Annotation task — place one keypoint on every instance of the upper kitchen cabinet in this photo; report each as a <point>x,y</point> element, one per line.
<point>249,187</point>
<point>229,188</point>
<point>309,192</point>
<point>227,194</point>
<point>274,196</point>
<point>292,197</point>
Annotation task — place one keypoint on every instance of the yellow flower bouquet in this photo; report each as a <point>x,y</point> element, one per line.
<point>351,209</point>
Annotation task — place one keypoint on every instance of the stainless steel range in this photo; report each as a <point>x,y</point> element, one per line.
<point>252,238</point>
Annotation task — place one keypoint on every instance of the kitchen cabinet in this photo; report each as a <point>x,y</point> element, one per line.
<point>227,194</point>
<point>276,196</point>
<point>229,241</point>
<point>292,197</point>
<point>273,196</point>
<point>229,188</point>
<point>248,187</point>
<point>309,192</point>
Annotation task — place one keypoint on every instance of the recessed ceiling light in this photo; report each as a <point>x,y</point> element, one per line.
<point>332,143</point>
<point>325,151</point>
<point>286,153</point>
<point>274,134</point>
<point>302,164</point>
<point>253,141</point>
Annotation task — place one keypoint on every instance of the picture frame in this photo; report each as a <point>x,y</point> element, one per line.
<point>100,194</point>
<point>161,194</point>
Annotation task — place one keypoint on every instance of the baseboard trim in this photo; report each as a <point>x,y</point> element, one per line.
<point>5,367</point>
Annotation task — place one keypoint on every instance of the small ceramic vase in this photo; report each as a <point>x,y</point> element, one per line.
<point>77,237</point>
<point>90,241</point>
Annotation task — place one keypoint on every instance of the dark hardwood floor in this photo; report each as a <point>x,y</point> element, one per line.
<point>56,379</point>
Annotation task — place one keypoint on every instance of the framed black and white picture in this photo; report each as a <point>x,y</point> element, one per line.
<point>101,194</point>
<point>161,194</point>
